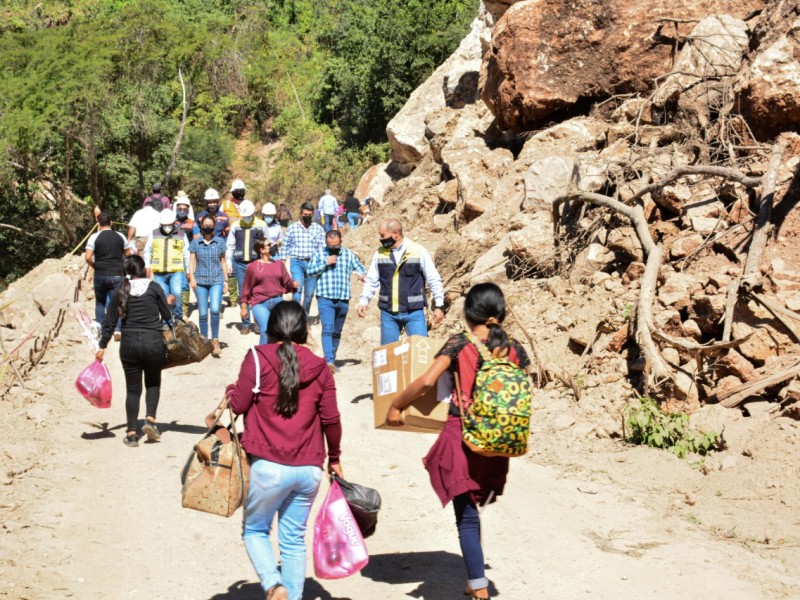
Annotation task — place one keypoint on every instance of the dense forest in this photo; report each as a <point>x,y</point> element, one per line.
<point>101,98</point>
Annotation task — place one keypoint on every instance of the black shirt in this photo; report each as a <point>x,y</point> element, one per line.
<point>109,254</point>
<point>145,313</point>
<point>351,204</point>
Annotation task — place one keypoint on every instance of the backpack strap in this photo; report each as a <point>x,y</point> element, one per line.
<point>483,351</point>
<point>257,386</point>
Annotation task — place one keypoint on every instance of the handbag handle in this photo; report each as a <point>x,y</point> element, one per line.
<point>234,438</point>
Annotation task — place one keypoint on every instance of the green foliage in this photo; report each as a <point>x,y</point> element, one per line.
<point>648,425</point>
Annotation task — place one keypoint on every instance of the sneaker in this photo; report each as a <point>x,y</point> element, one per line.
<point>277,592</point>
<point>255,328</point>
<point>244,330</point>
<point>117,336</point>
<point>151,431</point>
<point>216,351</point>
<point>130,441</point>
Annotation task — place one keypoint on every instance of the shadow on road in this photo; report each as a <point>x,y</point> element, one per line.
<point>108,432</point>
<point>240,590</point>
<point>358,399</point>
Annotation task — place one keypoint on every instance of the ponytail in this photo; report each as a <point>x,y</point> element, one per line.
<point>134,269</point>
<point>287,325</point>
<point>486,305</point>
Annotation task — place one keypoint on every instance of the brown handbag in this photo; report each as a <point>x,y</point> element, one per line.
<point>216,475</point>
<point>185,344</point>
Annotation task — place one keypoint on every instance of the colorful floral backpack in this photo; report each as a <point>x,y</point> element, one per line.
<point>498,421</point>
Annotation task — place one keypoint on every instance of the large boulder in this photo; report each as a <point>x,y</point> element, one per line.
<point>546,56</point>
<point>769,91</point>
<point>454,84</point>
<point>374,183</point>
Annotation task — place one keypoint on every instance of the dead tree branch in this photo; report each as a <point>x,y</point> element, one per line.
<point>758,241</point>
<point>723,172</point>
<point>178,141</point>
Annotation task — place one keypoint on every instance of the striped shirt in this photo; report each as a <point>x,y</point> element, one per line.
<point>301,242</point>
<point>334,280</point>
<point>208,270</point>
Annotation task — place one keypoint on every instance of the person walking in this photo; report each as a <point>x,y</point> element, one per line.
<point>456,473</point>
<point>231,205</point>
<point>284,215</point>
<point>244,233</point>
<point>105,253</point>
<point>207,273</point>
<point>142,306</point>
<point>352,208</point>
<point>166,258</point>
<point>265,282</point>
<point>222,223</point>
<point>274,231</point>
<point>290,415</point>
<point>302,240</point>
<point>184,220</point>
<point>157,195</point>
<point>333,265</point>
<point>328,209</point>
<point>401,269</point>
<point>142,224</point>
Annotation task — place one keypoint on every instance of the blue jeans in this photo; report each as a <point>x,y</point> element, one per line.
<point>290,492</point>
<point>307,284</point>
<point>172,283</point>
<point>238,271</point>
<point>261,315</point>
<point>469,537</point>
<point>206,293</point>
<point>332,314</point>
<point>413,321</point>
<point>330,222</point>
<point>104,285</point>
<point>352,219</point>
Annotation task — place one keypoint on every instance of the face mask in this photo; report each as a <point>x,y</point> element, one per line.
<point>238,195</point>
<point>182,215</point>
<point>334,250</point>
<point>387,242</point>
<point>307,219</point>
<point>207,229</point>
<point>247,220</point>
<point>212,209</point>
<point>166,229</point>
<point>269,220</point>
<point>273,250</point>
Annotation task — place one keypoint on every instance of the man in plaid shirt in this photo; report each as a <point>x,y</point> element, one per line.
<point>303,239</point>
<point>333,264</point>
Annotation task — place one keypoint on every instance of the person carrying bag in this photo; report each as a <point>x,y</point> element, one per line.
<point>288,398</point>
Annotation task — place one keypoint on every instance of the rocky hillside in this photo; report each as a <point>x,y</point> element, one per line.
<point>627,172</point>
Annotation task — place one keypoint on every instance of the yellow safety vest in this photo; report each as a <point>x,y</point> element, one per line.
<point>167,253</point>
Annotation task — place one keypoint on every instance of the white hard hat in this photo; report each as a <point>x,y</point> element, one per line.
<point>246,209</point>
<point>211,194</point>
<point>238,184</point>
<point>166,217</point>
<point>268,210</point>
<point>182,198</point>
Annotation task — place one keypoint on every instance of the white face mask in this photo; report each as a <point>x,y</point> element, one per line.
<point>269,220</point>
<point>167,229</point>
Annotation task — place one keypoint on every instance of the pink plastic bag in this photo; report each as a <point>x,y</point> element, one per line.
<point>339,548</point>
<point>94,384</point>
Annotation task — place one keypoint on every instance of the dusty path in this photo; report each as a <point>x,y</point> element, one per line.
<point>90,518</point>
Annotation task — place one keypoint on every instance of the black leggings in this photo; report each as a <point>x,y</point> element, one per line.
<point>141,352</point>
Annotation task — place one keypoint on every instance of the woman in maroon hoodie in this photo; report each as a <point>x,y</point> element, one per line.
<point>287,411</point>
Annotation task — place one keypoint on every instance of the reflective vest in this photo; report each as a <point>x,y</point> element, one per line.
<point>402,286</point>
<point>167,252</point>
<point>246,240</point>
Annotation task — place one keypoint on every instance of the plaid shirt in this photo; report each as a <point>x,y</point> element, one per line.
<point>208,270</point>
<point>334,281</point>
<point>301,242</point>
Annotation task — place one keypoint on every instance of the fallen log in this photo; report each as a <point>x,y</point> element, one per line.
<point>735,396</point>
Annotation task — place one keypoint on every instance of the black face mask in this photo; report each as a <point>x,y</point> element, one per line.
<point>334,250</point>
<point>238,195</point>
<point>212,210</point>
<point>387,242</point>
<point>307,219</point>
<point>273,250</point>
<point>207,229</point>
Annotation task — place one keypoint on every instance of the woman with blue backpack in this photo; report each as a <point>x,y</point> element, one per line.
<point>488,422</point>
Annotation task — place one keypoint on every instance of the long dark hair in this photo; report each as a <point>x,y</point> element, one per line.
<point>486,305</point>
<point>134,269</point>
<point>287,324</point>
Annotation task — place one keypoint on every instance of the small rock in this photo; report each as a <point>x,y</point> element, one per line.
<point>684,246</point>
<point>707,225</point>
<point>691,329</point>
<point>728,461</point>
<point>563,422</point>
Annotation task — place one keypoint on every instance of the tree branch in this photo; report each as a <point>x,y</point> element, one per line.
<point>180,132</point>
<point>724,172</point>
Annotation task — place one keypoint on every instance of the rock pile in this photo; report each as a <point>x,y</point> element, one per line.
<point>645,154</point>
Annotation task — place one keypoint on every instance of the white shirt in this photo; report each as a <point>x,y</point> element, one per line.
<point>432,278</point>
<point>93,238</point>
<point>328,204</point>
<point>144,221</point>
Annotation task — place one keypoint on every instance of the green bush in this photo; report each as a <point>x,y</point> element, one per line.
<point>647,425</point>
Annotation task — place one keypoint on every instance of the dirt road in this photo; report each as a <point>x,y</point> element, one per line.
<point>85,517</point>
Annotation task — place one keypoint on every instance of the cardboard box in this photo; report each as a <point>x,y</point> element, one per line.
<point>396,365</point>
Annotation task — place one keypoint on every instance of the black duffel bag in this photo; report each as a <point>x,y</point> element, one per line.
<point>185,344</point>
<point>364,503</point>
